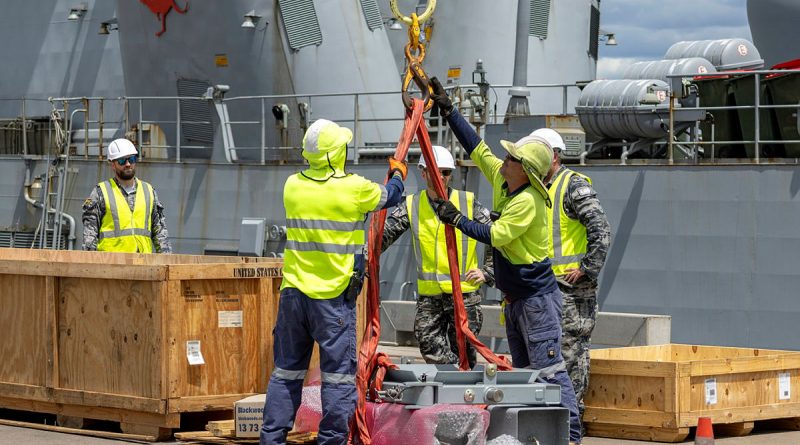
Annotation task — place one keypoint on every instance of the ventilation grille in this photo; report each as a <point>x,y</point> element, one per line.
<point>372,14</point>
<point>573,146</point>
<point>540,18</point>
<point>301,24</point>
<point>24,240</point>
<point>594,32</point>
<point>196,125</point>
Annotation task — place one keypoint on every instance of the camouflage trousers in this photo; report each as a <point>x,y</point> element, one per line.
<point>434,327</point>
<point>579,314</point>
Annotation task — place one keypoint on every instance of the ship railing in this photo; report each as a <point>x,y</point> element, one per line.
<point>353,102</point>
<point>100,119</point>
<point>28,132</point>
<point>678,85</point>
<point>289,130</point>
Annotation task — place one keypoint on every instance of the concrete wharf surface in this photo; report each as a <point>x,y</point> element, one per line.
<point>25,436</point>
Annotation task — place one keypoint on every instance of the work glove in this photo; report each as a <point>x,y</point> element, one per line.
<point>440,97</point>
<point>400,167</point>
<point>447,212</point>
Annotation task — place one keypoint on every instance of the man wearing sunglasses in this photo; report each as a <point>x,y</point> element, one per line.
<point>519,240</point>
<point>123,213</point>
<point>434,324</point>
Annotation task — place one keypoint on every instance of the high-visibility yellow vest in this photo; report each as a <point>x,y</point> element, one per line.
<point>324,231</point>
<point>430,246</point>
<point>567,245</point>
<point>122,230</point>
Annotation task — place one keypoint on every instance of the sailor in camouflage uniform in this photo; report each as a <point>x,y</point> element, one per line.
<point>434,324</point>
<point>124,214</point>
<point>579,240</point>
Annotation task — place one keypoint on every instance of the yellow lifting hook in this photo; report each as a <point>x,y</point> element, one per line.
<point>414,70</point>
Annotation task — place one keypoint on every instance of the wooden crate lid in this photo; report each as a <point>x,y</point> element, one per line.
<point>683,353</point>
<point>134,266</point>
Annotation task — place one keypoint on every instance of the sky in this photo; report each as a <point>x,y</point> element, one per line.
<point>645,29</point>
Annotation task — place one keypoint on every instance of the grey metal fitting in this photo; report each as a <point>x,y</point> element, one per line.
<point>493,395</point>
<point>469,396</point>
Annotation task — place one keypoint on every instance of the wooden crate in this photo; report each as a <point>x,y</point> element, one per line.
<point>658,392</point>
<point>104,335</point>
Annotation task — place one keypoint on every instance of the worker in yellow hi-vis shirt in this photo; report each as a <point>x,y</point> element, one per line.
<point>519,239</point>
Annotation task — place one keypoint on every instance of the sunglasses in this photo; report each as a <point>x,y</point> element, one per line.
<point>444,173</point>
<point>513,159</point>
<point>123,161</point>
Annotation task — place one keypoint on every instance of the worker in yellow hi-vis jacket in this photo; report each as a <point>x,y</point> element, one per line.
<point>326,209</point>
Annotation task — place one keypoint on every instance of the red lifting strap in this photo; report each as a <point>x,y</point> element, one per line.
<point>368,363</point>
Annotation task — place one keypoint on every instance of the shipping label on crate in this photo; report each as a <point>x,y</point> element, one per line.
<point>193,353</point>
<point>784,386</point>
<point>249,415</point>
<point>229,319</point>
<point>257,272</point>
<point>711,391</point>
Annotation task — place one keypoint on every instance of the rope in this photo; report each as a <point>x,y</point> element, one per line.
<point>61,135</point>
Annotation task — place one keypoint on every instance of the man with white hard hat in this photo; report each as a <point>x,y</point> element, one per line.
<point>434,323</point>
<point>579,240</point>
<point>123,213</point>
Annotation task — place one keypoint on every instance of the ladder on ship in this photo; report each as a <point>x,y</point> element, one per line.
<point>49,233</point>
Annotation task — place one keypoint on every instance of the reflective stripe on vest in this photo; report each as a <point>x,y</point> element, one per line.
<point>123,230</point>
<point>430,245</point>
<point>567,245</point>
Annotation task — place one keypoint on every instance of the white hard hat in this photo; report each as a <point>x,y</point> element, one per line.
<point>120,148</point>
<point>552,137</point>
<point>443,158</point>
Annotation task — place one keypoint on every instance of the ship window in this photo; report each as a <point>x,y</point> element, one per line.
<point>372,14</point>
<point>594,32</point>
<point>196,122</point>
<point>540,18</point>
<point>300,22</point>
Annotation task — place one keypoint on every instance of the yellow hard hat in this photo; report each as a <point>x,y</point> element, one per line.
<point>537,157</point>
<point>324,136</point>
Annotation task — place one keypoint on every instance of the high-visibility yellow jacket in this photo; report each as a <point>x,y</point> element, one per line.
<point>325,230</point>
<point>567,245</point>
<point>430,246</point>
<point>123,230</point>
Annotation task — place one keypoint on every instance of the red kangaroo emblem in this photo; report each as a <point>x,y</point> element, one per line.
<point>161,8</point>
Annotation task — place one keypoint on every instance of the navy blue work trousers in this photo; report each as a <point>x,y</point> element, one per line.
<point>533,327</point>
<point>301,322</point>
